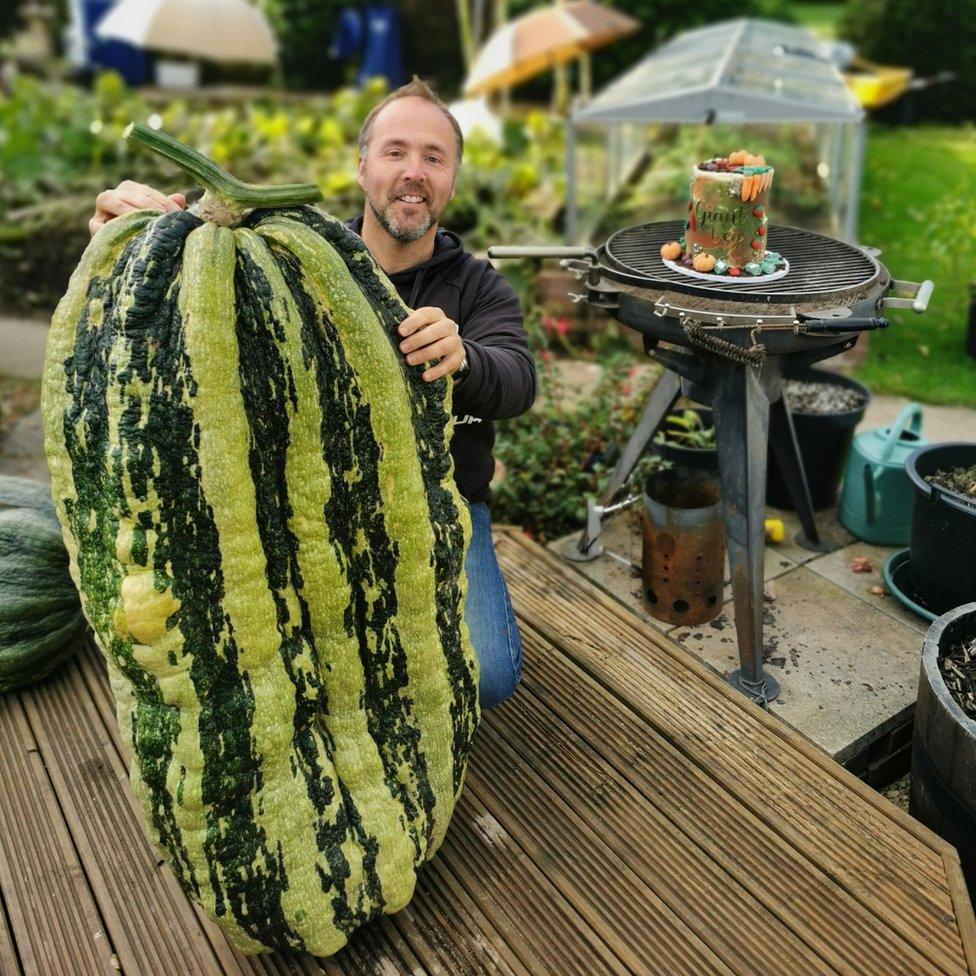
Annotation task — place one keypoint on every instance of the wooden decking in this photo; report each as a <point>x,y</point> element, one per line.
<point>625,813</point>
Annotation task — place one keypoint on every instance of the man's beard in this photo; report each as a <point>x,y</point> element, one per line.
<point>402,233</point>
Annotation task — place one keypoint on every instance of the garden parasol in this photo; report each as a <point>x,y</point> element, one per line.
<point>216,30</point>
<point>543,38</point>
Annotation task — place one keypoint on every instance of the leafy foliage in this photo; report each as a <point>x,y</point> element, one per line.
<point>557,455</point>
<point>931,37</point>
<point>61,145</point>
<point>686,429</point>
<point>304,29</point>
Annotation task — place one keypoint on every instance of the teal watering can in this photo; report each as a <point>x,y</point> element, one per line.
<point>876,501</point>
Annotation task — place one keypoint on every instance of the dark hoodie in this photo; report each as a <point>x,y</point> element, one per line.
<point>501,382</point>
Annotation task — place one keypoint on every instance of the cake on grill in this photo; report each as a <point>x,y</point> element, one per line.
<point>725,231</point>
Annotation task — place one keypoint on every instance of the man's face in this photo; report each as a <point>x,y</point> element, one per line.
<point>408,173</point>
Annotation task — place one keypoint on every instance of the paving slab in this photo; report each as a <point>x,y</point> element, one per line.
<point>833,535</point>
<point>848,671</point>
<point>938,423</point>
<point>22,449</point>
<point>22,344</point>
<point>847,661</point>
<point>622,535</point>
<point>836,566</point>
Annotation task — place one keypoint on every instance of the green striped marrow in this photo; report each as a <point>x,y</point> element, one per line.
<point>41,623</point>
<point>258,501</point>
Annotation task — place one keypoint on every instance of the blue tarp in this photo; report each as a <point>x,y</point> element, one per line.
<point>374,34</point>
<point>134,64</point>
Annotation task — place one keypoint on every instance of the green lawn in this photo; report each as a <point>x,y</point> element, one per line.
<point>916,206</point>
<point>821,18</point>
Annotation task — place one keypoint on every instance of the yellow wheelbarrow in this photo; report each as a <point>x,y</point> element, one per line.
<point>875,85</point>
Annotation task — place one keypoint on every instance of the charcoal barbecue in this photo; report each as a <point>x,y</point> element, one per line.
<point>727,346</point>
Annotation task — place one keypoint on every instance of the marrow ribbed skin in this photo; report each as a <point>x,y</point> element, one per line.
<point>258,502</point>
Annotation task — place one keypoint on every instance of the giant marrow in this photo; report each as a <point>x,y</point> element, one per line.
<point>258,503</point>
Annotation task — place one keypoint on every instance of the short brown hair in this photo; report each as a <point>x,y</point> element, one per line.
<point>417,89</point>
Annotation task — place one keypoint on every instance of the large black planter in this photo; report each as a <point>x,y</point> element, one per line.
<point>943,788</point>
<point>942,563</point>
<point>700,458</point>
<point>824,440</point>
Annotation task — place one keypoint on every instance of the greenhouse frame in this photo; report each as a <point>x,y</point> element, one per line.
<point>741,72</point>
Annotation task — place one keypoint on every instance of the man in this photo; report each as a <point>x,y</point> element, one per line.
<point>467,325</point>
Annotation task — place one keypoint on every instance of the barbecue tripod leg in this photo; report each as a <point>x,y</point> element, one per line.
<point>786,450</point>
<point>742,433</point>
<point>666,391</point>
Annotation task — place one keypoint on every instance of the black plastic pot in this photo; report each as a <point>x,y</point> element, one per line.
<point>942,794</point>
<point>702,459</point>
<point>942,563</point>
<point>824,439</point>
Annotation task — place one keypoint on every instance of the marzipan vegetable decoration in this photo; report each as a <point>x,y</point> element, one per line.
<point>41,623</point>
<point>258,502</point>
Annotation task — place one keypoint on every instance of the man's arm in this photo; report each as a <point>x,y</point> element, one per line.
<point>501,379</point>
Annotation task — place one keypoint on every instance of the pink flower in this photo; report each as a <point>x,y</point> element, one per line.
<point>546,356</point>
<point>562,326</point>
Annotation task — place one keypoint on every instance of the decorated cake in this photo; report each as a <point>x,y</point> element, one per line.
<point>725,232</point>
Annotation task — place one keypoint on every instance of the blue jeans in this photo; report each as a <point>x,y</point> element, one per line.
<point>489,615</point>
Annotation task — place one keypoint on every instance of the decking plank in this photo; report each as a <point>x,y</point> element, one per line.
<point>578,738</point>
<point>52,912</point>
<point>814,805</point>
<point>376,950</point>
<point>489,867</point>
<point>431,936</point>
<point>9,963</point>
<point>150,924</point>
<point>701,902</point>
<point>598,833</point>
<point>630,916</point>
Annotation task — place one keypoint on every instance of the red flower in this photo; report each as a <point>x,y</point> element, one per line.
<point>546,356</point>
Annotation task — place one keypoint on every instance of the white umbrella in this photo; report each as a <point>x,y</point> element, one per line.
<point>214,30</point>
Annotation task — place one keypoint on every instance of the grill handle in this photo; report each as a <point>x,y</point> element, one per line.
<point>837,326</point>
<point>539,251</point>
<point>919,300</point>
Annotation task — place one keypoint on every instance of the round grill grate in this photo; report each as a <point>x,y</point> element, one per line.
<point>821,268</point>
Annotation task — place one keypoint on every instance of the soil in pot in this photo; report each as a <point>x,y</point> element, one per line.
<point>943,790</point>
<point>825,408</point>
<point>820,399</point>
<point>957,664</point>
<point>960,481</point>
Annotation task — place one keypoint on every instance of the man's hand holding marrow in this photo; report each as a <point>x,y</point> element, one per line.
<point>131,196</point>
<point>428,334</point>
